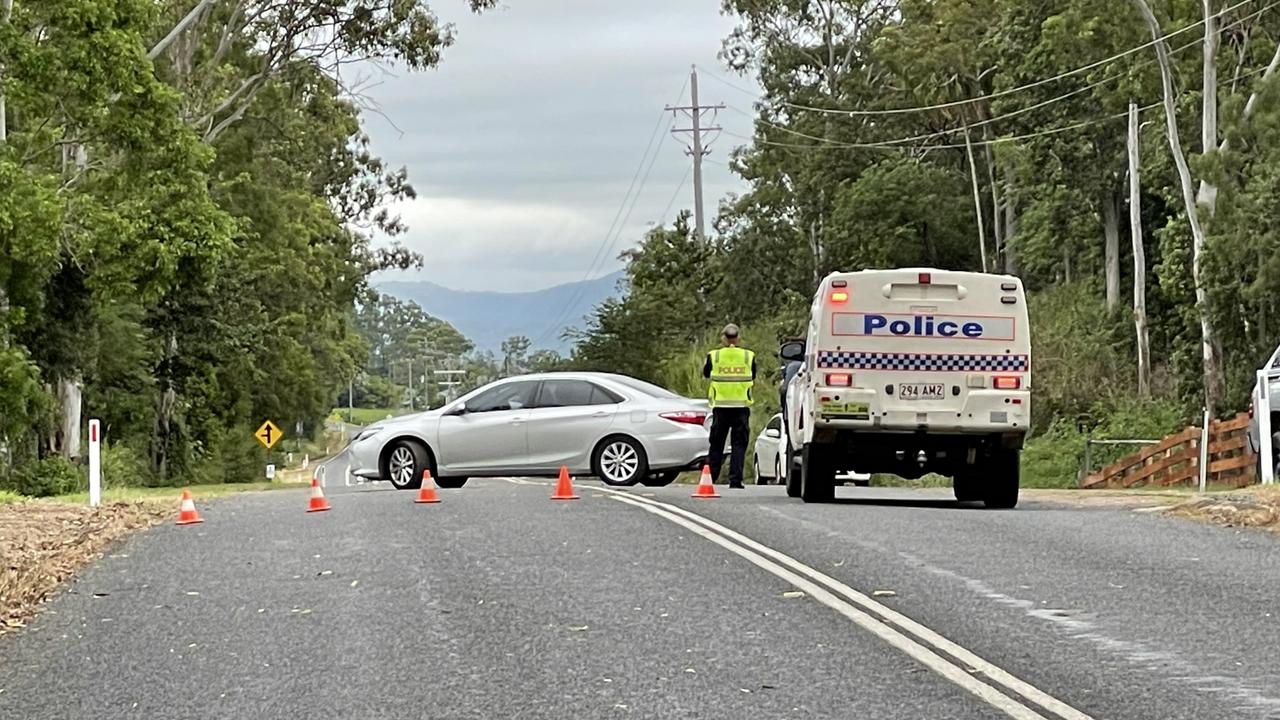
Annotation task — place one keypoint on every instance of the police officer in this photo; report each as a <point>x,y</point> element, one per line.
<point>731,370</point>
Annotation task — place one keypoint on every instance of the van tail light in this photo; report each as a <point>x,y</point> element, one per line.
<point>925,278</point>
<point>839,379</point>
<point>687,417</point>
<point>1006,382</point>
<point>839,296</point>
<point>1250,408</point>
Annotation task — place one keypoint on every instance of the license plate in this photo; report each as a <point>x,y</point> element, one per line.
<point>921,391</point>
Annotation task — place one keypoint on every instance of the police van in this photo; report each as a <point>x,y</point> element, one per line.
<point>911,371</point>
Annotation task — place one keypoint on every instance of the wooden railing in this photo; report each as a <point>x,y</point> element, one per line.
<point>1175,460</point>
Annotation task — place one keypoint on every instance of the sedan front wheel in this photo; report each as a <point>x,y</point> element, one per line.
<point>620,461</point>
<point>405,462</point>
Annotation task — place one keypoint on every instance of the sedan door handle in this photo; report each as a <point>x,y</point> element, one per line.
<point>601,414</point>
<point>516,421</point>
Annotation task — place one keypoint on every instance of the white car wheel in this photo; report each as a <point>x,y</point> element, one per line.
<point>621,461</point>
<point>405,464</point>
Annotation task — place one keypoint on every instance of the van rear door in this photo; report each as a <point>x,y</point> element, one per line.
<point>913,348</point>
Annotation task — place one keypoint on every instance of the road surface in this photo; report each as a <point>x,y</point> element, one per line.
<point>500,603</point>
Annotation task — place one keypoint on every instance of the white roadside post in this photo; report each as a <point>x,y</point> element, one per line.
<point>271,471</point>
<point>1262,409</point>
<point>1204,453</point>
<point>95,463</point>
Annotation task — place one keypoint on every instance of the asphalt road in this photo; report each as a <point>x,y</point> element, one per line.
<point>500,603</point>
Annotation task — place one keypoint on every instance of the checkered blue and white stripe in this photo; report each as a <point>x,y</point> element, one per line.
<point>852,360</point>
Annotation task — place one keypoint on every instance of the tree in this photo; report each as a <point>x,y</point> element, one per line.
<point>515,350</point>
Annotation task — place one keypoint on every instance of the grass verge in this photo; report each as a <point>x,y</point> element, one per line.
<point>139,494</point>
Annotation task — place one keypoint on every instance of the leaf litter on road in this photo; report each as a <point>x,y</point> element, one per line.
<point>43,544</point>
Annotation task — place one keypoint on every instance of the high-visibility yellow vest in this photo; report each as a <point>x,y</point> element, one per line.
<point>731,377</point>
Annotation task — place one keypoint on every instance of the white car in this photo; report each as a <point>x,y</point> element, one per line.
<point>770,458</point>
<point>770,453</point>
<point>622,430</point>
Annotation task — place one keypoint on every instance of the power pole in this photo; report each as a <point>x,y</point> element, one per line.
<point>696,149</point>
<point>410,361</point>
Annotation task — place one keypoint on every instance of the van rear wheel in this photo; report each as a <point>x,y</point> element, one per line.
<point>967,485</point>
<point>1001,489</point>
<point>817,476</point>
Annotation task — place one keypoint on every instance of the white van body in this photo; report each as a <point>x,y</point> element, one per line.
<point>912,371</point>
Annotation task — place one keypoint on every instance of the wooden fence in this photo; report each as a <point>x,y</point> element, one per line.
<point>1176,460</point>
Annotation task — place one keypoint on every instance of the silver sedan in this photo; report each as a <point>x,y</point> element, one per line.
<point>622,430</point>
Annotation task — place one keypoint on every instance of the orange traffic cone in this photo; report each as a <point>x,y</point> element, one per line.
<point>428,492</point>
<point>564,487</point>
<point>706,488</point>
<point>187,514</point>
<point>318,503</point>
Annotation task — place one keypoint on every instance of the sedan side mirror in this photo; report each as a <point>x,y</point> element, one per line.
<point>792,351</point>
<point>771,433</point>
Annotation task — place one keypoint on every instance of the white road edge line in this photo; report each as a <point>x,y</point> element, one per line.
<point>935,662</point>
<point>786,564</point>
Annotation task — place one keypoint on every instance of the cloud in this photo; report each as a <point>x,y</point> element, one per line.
<point>523,144</point>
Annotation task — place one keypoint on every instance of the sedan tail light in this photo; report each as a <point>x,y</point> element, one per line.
<point>687,417</point>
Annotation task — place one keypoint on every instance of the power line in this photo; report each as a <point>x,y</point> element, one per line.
<point>999,93</point>
<point>894,144</point>
<point>615,228</point>
<point>992,141</point>
<point>662,219</point>
<point>1005,116</point>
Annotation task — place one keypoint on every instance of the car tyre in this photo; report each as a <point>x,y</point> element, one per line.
<point>966,486</point>
<point>795,472</point>
<point>1001,489</point>
<point>660,479</point>
<point>620,461</point>
<point>818,477</point>
<point>760,478</point>
<point>777,470</point>
<point>451,483</point>
<point>406,460</point>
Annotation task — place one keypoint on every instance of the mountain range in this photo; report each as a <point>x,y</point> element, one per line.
<point>488,317</point>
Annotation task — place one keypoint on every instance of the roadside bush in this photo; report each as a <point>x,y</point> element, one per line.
<point>1054,458</point>
<point>50,476</point>
<point>123,466</point>
<point>232,456</point>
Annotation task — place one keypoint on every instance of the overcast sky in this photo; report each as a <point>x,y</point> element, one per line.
<point>523,143</point>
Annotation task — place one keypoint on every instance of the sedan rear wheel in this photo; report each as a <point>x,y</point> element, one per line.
<point>405,463</point>
<point>620,461</point>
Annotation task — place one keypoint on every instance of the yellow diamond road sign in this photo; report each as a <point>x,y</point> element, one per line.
<point>268,434</point>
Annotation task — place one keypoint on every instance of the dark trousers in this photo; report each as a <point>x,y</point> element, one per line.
<point>734,423</point>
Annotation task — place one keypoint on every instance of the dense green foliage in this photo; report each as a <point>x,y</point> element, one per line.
<point>843,190</point>
<point>186,206</point>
